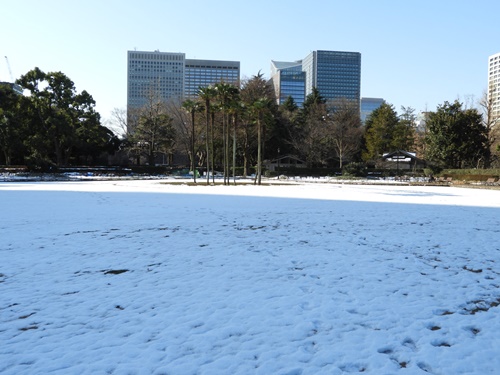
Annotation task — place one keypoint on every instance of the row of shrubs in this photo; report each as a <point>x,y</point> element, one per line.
<point>349,170</point>
<point>361,170</point>
<point>465,174</point>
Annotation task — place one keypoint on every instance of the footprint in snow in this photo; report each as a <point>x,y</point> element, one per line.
<point>353,367</point>
<point>409,343</point>
<point>425,367</point>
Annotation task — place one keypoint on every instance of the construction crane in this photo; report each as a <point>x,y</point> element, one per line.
<point>10,71</point>
<point>17,88</point>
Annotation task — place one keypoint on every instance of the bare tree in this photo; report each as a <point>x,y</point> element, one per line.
<point>118,122</point>
<point>153,133</point>
<point>421,134</point>
<point>309,137</point>
<point>182,125</point>
<point>491,122</point>
<point>344,129</point>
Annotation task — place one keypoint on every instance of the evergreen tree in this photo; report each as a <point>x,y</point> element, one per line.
<point>61,121</point>
<point>309,136</point>
<point>11,135</point>
<point>456,137</point>
<point>226,94</point>
<point>192,107</point>
<point>290,105</point>
<point>207,95</point>
<point>379,132</point>
<point>404,132</point>
<point>313,101</point>
<point>259,121</point>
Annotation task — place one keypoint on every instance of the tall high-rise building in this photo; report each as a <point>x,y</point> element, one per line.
<point>161,73</point>
<point>171,76</point>
<point>289,81</point>
<point>494,86</point>
<point>203,73</point>
<point>336,74</point>
<point>368,105</point>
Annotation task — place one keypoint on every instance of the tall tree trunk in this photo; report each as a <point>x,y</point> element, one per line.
<point>192,146</point>
<point>151,158</point>
<point>227,150</point>
<point>224,171</point>
<point>245,153</point>
<point>234,149</point>
<point>259,151</point>
<point>151,153</point>
<point>7,157</point>
<point>212,145</point>
<point>206,143</point>
<point>58,152</point>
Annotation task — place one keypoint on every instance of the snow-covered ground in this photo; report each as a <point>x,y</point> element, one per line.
<point>141,277</point>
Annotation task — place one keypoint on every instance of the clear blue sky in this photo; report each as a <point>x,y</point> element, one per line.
<point>416,53</point>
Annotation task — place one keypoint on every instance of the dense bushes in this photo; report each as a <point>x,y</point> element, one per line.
<point>471,174</point>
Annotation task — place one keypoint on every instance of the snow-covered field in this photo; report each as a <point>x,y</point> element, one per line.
<point>140,277</point>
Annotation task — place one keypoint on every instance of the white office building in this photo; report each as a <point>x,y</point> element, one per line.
<point>173,77</point>
<point>494,85</point>
<point>161,73</point>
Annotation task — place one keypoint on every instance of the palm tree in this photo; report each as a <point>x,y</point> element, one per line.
<point>259,107</point>
<point>206,94</point>
<point>192,107</point>
<point>258,97</point>
<point>226,93</point>
<point>235,109</point>
<point>212,126</point>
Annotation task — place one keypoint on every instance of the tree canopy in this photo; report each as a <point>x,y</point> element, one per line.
<point>11,130</point>
<point>345,130</point>
<point>55,125</point>
<point>60,124</point>
<point>313,100</point>
<point>379,131</point>
<point>456,137</point>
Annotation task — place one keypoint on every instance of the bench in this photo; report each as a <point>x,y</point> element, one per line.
<point>491,181</point>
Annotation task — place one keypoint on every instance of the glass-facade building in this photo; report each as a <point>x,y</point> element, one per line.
<point>336,74</point>
<point>289,81</point>
<point>203,73</point>
<point>171,76</point>
<point>368,105</point>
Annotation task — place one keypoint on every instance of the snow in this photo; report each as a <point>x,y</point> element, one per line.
<point>144,277</point>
